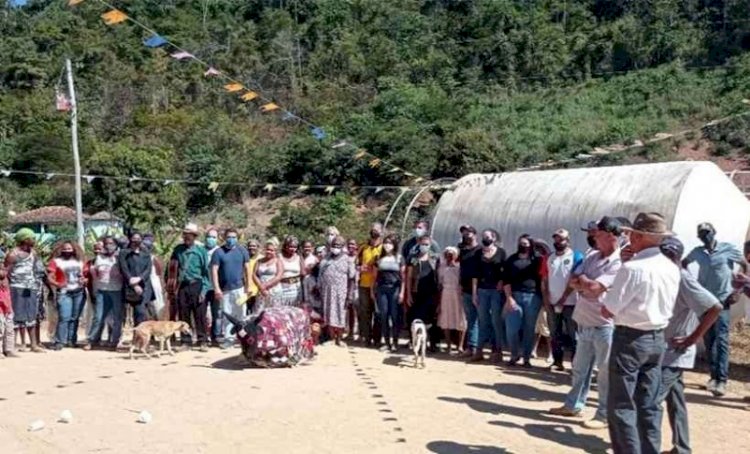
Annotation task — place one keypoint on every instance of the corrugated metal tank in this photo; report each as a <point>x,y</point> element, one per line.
<point>540,202</point>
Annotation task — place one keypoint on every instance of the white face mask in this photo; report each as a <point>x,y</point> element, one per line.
<point>336,251</point>
<point>388,247</point>
<point>419,231</point>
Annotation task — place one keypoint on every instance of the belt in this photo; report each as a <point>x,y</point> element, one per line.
<point>629,330</point>
<point>291,280</point>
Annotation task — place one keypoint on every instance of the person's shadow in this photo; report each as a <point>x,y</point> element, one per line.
<point>522,392</point>
<point>451,447</point>
<point>560,434</point>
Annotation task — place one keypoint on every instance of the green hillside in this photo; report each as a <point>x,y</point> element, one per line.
<point>437,87</point>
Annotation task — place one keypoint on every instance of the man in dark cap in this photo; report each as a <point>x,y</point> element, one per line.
<point>693,303</point>
<point>716,261</point>
<point>590,229</point>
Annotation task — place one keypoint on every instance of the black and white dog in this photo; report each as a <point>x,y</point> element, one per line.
<point>419,341</point>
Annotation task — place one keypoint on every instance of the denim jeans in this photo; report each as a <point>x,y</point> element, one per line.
<point>593,347</point>
<point>672,390</point>
<point>69,310</point>
<point>563,334</point>
<point>229,305</point>
<point>216,316</point>
<point>472,321</point>
<point>634,382</point>
<point>717,347</point>
<point>522,320</point>
<point>388,308</point>
<point>106,302</point>
<point>491,328</point>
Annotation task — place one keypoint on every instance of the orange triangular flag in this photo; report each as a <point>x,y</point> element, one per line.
<point>233,87</point>
<point>269,107</point>
<point>249,96</point>
<point>114,17</point>
<point>74,2</point>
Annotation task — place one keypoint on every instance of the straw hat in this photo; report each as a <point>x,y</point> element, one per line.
<point>650,224</point>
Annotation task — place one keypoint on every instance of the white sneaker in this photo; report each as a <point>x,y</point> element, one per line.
<point>720,390</point>
<point>711,385</point>
<point>596,424</point>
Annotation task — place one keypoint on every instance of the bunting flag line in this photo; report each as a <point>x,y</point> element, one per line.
<point>303,188</point>
<point>249,96</point>
<point>114,17</point>
<point>330,189</point>
<point>49,176</point>
<point>155,41</point>
<point>5,173</point>
<point>213,186</point>
<point>168,182</point>
<point>90,179</point>
<point>268,187</point>
<point>182,55</point>
<point>270,107</point>
<point>234,86</point>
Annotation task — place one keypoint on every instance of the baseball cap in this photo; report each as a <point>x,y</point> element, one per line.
<point>592,225</point>
<point>672,248</point>
<point>562,233</point>
<point>610,225</point>
<point>467,228</point>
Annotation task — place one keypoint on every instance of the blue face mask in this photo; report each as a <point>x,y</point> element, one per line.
<point>231,242</point>
<point>210,242</point>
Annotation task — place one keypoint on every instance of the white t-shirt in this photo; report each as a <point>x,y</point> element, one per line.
<point>559,270</point>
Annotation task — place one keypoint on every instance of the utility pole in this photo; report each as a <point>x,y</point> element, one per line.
<point>76,157</point>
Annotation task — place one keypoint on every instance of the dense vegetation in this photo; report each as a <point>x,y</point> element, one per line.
<point>439,87</point>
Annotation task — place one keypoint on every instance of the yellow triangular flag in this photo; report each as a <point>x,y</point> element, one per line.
<point>74,2</point>
<point>234,86</point>
<point>268,187</point>
<point>375,162</point>
<point>249,96</point>
<point>213,186</point>
<point>360,154</point>
<point>330,189</point>
<point>114,17</point>
<point>269,107</point>
<point>303,187</point>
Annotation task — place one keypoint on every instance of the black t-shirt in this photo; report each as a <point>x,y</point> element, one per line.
<point>468,257</point>
<point>490,271</point>
<point>523,274</point>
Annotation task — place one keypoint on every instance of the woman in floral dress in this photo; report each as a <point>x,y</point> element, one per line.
<point>335,280</point>
<point>267,275</point>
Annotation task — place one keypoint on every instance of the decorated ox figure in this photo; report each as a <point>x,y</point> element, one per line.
<point>277,337</point>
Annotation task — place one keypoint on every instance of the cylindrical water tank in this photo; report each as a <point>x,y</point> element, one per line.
<point>686,193</point>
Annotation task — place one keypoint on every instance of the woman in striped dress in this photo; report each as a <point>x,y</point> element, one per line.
<point>292,274</point>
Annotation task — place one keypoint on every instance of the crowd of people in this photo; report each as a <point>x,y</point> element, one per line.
<point>625,310</point>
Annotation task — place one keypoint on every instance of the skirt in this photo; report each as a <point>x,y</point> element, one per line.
<point>25,306</point>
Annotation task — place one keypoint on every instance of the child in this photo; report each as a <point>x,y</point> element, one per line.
<point>7,335</point>
<point>451,315</point>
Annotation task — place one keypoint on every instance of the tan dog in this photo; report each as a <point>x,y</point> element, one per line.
<point>161,331</point>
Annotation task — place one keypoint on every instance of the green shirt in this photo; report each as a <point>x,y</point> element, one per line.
<point>192,265</point>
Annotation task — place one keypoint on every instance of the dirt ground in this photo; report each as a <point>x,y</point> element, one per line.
<point>346,400</point>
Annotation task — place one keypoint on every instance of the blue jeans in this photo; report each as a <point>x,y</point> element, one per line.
<point>388,308</point>
<point>522,318</point>
<point>69,309</point>
<point>229,305</point>
<point>106,302</point>
<point>593,347</point>
<point>491,328</point>
<point>634,380</point>
<point>216,316</point>
<point>472,321</point>
<point>717,347</point>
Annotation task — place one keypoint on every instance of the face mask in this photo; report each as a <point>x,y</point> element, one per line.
<point>591,242</point>
<point>524,249</point>
<point>487,242</point>
<point>388,247</point>
<point>110,249</point>
<point>231,242</point>
<point>148,244</point>
<point>210,242</point>
<point>374,234</point>
<point>424,248</point>
<point>135,244</point>
<point>559,247</point>
<point>335,251</point>
<point>707,238</point>
<point>66,255</point>
<point>418,232</point>
<point>466,238</point>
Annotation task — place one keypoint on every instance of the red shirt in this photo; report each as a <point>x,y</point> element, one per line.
<point>5,305</point>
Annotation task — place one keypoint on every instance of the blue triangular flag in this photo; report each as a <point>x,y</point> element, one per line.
<point>17,3</point>
<point>155,41</point>
<point>318,133</point>
<point>288,116</point>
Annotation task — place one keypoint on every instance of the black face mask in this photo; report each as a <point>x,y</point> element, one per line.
<point>707,238</point>
<point>466,239</point>
<point>591,241</point>
<point>374,234</point>
<point>559,247</point>
<point>487,242</point>
<point>66,255</point>
<point>135,244</point>
<point>524,249</point>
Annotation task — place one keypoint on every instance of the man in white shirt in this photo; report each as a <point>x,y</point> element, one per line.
<point>640,301</point>
<point>593,331</point>
<point>559,298</point>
